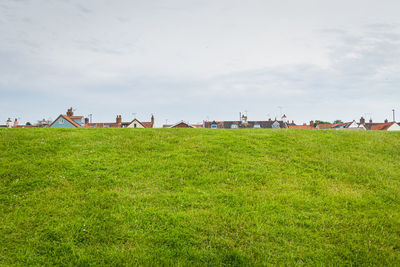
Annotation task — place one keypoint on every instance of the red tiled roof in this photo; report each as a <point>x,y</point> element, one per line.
<point>76,117</point>
<point>301,127</point>
<point>146,124</point>
<point>382,126</point>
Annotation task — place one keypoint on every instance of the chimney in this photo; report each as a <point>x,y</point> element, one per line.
<point>311,123</point>
<point>152,121</point>
<point>386,121</point>
<point>362,120</point>
<point>70,112</point>
<point>15,123</point>
<point>119,119</point>
<point>293,122</point>
<point>370,120</point>
<point>86,121</point>
<point>9,123</point>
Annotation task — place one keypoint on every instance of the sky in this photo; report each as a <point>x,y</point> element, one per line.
<point>196,60</point>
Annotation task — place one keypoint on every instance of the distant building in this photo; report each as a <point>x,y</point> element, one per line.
<point>9,123</point>
<point>68,121</point>
<point>135,123</point>
<point>244,123</point>
<point>387,126</point>
<point>304,126</point>
<point>353,125</point>
<point>180,124</point>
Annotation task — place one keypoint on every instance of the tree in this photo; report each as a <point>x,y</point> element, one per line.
<point>337,121</point>
<point>28,123</point>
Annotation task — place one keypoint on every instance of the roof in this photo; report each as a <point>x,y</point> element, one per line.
<point>197,125</point>
<point>182,123</point>
<point>382,126</point>
<point>145,124</point>
<point>67,119</point>
<point>301,127</point>
<point>249,124</point>
<point>76,117</point>
<point>327,126</point>
<point>101,124</point>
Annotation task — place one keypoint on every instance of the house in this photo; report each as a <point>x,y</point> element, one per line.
<point>9,123</point>
<point>68,121</point>
<point>180,124</point>
<point>304,126</point>
<point>388,126</point>
<point>135,123</point>
<point>353,125</point>
<point>244,123</point>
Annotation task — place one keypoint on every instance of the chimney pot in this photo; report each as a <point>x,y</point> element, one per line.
<point>119,119</point>
<point>70,112</point>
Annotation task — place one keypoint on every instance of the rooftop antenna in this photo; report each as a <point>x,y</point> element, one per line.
<point>90,117</point>
<point>166,121</point>
<point>134,115</point>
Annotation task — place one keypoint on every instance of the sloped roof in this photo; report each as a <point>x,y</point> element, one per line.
<point>301,127</point>
<point>145,124</point>
<point>382,126</point>
<point>67,119</point>
<point>76,117</point>
<point>327,126</point>
<point>249,124</point>
<point>181,123</point>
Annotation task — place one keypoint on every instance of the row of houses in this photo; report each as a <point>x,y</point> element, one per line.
<point>70,120</point>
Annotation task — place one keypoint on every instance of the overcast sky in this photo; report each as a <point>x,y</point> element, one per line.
<point>193,60</point>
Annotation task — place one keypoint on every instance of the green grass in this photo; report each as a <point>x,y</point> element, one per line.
<point>199,197</point>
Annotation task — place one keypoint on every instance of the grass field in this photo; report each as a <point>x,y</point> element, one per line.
<point>199,197</point>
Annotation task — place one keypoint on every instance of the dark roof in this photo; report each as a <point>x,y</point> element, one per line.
<point>249,124</point>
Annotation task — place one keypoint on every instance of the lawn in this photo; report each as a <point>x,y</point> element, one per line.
<point>199,197</point>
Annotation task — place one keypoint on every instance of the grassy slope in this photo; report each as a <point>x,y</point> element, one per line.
<point>122,196</point>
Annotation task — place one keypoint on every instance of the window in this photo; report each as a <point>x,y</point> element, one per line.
<point>61,121</point>
<point>214,126</point>
<point>234,126</point>
<point>134,125</point>
<point>276,125</point>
